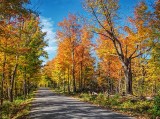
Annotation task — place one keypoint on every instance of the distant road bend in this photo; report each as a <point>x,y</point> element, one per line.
<point>48,105</point>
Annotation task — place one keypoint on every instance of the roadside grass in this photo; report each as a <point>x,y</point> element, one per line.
<point>18,109</point>
<point>128,105</point>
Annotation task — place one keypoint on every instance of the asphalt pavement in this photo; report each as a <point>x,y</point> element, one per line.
<point>49,105</point>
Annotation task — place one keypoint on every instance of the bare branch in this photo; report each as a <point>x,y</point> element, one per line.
<point>93,12</point>
<point>108,17</point>
<point>101,34</point>
<point>141,53</point>
<point>113,38</point>
<point>134,52</point>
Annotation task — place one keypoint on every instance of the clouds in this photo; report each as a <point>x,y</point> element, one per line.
<point>48,27</point>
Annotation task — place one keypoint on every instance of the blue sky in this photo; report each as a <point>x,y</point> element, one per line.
<point>54,11</point>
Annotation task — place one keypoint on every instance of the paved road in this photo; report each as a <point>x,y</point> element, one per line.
<point>48,105</point>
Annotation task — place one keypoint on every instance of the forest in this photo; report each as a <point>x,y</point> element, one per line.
<point>128,56</point>
<point>21,46</point>
<point>99,59</point>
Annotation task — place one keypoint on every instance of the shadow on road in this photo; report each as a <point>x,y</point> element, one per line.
<point>48,105</point>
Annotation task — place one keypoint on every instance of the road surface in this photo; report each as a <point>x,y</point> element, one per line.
<point>49,105</point>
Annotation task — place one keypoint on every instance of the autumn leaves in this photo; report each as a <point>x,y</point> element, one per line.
<point>73,60</point>
<point>21,45</point>
<point>123,51</point>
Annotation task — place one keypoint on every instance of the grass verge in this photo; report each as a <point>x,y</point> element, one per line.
<point>128,105</point>
<point>18,109</point>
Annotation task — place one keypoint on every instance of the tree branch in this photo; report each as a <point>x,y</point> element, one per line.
<point>112,37</point>
<point>134,52</point>
<point>93,12</point>
<point>141,53</point>
<point>101,34</point>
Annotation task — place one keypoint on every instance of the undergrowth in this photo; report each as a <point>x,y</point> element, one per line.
<point>18,109</point>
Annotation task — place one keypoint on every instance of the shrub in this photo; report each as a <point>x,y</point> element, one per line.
<point>114,101</point>
<point>93,98</point>
<point>156,106</point>
<point>85,96</point>
<point>102,100</point>
<point>142,106</point>
<point>127,105</point>
<point>15,109</point>
<point>6,108</point>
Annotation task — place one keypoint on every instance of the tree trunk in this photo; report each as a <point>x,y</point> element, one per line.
<point>108,89</point>
<point>155,88</point>
<point>64,82</point>
<point>84,79</point>
<point>12,81</point>
<point>79,80</point>
<point>109,79</point>
<point>3,78</point>
<point>28,87</point>
<point>111,86</point>
<point>81,71</point>
<point>15,88</point>
<point>73,72</point>
<point>24,84</point>
<point>128,77</point>
<point>68,82</point>
<point>0,112</point>
<point>119,86</point>
<point>81,76</point>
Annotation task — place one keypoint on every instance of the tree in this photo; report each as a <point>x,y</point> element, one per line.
<point>73,61</point>
<point>110,65</point>
<point>70,32</point>
<point>83,57</point>
<point>9,11</point>
<point>105,14</point>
